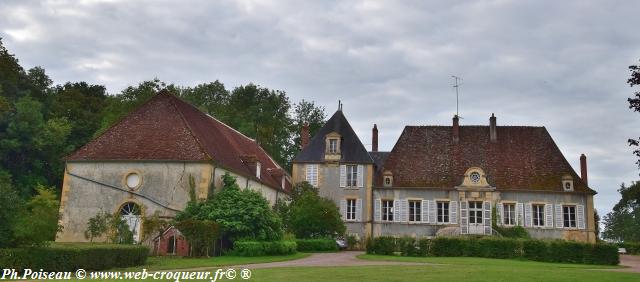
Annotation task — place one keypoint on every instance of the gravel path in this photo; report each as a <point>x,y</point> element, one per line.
<point>631,262</point>
<point>328,259</point>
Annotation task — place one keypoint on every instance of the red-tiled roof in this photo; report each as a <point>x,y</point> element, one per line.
<point>168,128</point>
<point>523,158</point>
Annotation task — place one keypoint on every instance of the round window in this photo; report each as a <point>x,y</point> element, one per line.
<point>133,180</point>
<point>475,177</point>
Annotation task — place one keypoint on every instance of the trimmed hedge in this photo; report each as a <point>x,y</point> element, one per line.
<point>262,248</point>
<point>70,257</point>
<point>316,245</point>
<point>504,248</point>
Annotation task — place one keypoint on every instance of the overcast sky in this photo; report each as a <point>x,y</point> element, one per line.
<point>559,64</point>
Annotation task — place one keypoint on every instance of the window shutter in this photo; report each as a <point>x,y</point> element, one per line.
<point>425,211</point>
<point>312,174</point>
<point>499,213</point>
<point>464,218</point>
<point>520,214</point>
<point>343,176</point>
<point>580,216</point>
<point>548,213</point>
<point>528,219</point>
<point>343,209</point>
<point>432,212</point>
<point>559,223</point>
<point>487,218</point>
<point>377,211</point>
<point>396,210</point>
<point>453,212</point>
<point>359,210</point>
<point>405,210</point>
<point>360,179</point>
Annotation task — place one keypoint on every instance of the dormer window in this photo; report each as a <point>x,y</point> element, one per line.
<point>333,146</point>
<point>258,169</point>
<point>387,179</point>
<point>567,183</point>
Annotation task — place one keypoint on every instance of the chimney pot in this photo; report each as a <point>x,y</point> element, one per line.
<point>583,168</point>
<point>456,129</point>
<point>493,132</point>
<point>374,138</point>
<point>304,135</point>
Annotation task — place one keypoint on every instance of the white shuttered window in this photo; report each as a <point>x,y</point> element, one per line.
<point>312,174</point>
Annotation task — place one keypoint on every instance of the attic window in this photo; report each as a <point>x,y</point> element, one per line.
<point>567,183</point>
<point>333,146</point>
<point>133,180</point>
<point>258,168</point>
<point>387,181</point>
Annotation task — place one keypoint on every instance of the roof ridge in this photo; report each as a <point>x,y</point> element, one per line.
<point>230,127</point>
<point>186,123</point>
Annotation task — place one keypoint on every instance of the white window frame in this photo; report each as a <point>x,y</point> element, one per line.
<point>352,176</point>
<point>442,211</point>
<point>476,212</point>
<point>538,215</point>
<point>333,145</point>
<point>414,211</point>
<point>387,210</point>
<point>312,174</point>
<point>566,216</point>
<point>351,210</point>
<point>509,214</point>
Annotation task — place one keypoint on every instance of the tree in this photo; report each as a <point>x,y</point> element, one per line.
<point>211,98</point>
<point>623,222</point>
<point>312,216</point>
<point>634,103</point>
<point>98,225</point>
<point>154,226</point>
<point>201,235</point>
<point>11,205</point>
<point>306,112</point>
<point>239,213</point>
<point>38,224</point>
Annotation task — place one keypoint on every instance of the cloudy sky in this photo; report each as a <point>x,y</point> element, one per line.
<point>559,64</point>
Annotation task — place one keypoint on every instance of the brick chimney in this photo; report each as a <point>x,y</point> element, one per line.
<point>374,138</point>
<point>456,129</point>
<point>493,132</point>
<point>583,168</point>
<point>304,135</point>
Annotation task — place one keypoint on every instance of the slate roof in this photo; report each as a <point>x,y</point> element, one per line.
<point>168,128</point>
<point>379,158</point>
<point>351,148</point>
<point>523,158</point>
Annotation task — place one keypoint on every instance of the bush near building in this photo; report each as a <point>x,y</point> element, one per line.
<point>537,250</point>
<point>70,257</point>
<point>316,245</point>
<point>263,248</point>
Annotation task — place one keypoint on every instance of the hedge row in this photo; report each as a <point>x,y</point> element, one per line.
<point>70,257</point>
<point>316,245</point>
<point>538,250</point>
<point>632,248</point>
<point>260,248</point>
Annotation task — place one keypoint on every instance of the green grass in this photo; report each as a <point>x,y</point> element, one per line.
<point>163,263</point>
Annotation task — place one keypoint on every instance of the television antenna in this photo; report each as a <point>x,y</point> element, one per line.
<point>456,86</point>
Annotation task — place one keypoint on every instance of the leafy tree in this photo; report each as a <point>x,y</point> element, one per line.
<point>240,213</point>
<point>634,103</point>
<point>211,98</point>
<point>10,204</point>
<point>312,216</point>
<point>97,225</point>
<point>39,222</point>
<point>623,222</point>
<point>154,226</point>
<point>307,112</point>
<point>201,235</point>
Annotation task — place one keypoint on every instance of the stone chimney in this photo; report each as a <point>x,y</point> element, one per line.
<point>374,138</point>
<point>493,132</point>
<point>456,129</point>
<point>304,135</point>
<point>583,168</point>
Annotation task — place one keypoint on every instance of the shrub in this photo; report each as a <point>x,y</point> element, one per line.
<point>381,246</point>
<point>63,257</point>
<point>448,247</point>
<point>311,216</point>
<point>423,247</point>
<point>263,248</point>
<point>535,250</point>
<point>316,245</point>
<point>353,242</point>
<point>407,246</point>
<point>512,232</point>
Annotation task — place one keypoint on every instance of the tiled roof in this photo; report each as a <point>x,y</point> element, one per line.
<point>168,128</point>
<point>379,158</point>
<point>522,158</point>
<point>351,148</point>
